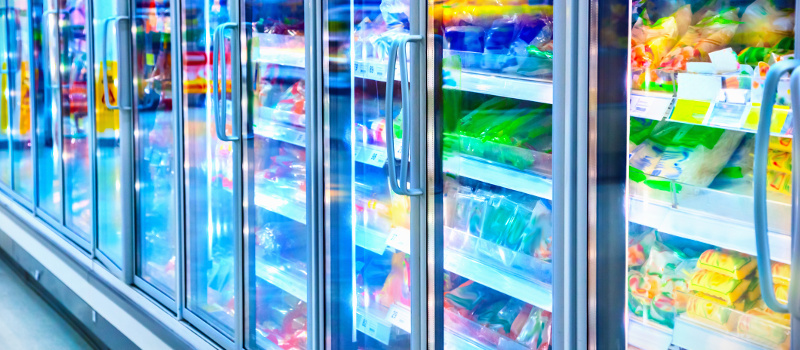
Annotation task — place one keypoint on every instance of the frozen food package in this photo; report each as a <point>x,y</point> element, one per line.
<point>465,297</point>
<point>781,273</point>
<point>764,25</point>
<point>721,286</point>
<point>651,41</point>
<point>467,39</point>
<point>395,14</point>
<point>739,169</point>
<point>690,154</point>
<point>515,233</point>
<point>710,313</point>
<point>462,210</point>
<point>738,305</point>
<point>727,262</point>
<point>758,325</point>
<point>498,44</point>
<point>536,333</point>
<point>662,310</point>
<point>538,236</point>
<point>500,212</point>
<point>639,248</point>
<point>501,321</point>
<point>709,35</point>
<point>395,288</point>
<point>660,261</point>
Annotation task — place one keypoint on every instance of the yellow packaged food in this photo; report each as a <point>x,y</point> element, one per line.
<point>738,305</point>
<point>779,161</point>
<point>779,181</point>
<point>760,327</point>
<point>780,143</point>
<point>720,286</point>
<point>728,263</point>
<point>711,313</point>
<point>781,273</point>
<point>780,318</point>
<point>782,293</point>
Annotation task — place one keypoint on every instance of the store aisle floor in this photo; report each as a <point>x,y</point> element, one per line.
<point>28,322</point>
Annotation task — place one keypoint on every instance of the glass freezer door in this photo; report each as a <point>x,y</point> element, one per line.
<point>372,178</point>
<point>73,45</point>
<point>212,169</point>
<point>155,147</point>
<point>47,95</point>
<point>277,161</point>
<point>18,65</point>
<point>107,23</point>
<point>710,139</point>
<point>5,99</point>
<point>493,100</point>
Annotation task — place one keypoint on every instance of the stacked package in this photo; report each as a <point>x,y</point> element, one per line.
<point>726,278</point>
<point>504,35</point>
<point>665,38</point>
<point>501,318</point>
<point>658,276</point>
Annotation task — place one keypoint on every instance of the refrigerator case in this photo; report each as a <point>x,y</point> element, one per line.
<point>494,91</point>
<point>697,83</point>
<point>495,102</point>
<point>277,159</point>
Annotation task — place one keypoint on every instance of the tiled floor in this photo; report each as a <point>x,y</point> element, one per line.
<point>28,322</point>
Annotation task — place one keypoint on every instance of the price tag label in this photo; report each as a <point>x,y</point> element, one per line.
<point>356,66</point>
<point>400,317</point>
<point>300,138</point>
<point>399,239</point>
<point>373,328</point>
<point>398,148</point>
<point>649,107</point>
<point>380,72</point>
<point>376,158</point>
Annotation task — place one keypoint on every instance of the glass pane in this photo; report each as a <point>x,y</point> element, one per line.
<point>277,71</point>
<point>494,98</point>
<point>210,209</point>
<point>75,65</point>
<point>690,175</point>
<point>48,155</point>
<point>155,147</point>
<point>375,243</point>
<point>5,101</point>
<point>20,98</point>
<point>109,226</point>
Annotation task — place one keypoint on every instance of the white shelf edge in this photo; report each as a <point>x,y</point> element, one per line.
<point>520,181</point>
<point>705,228</point>
<point>522,289</point>
<point>288,208</point>
<point>693,336</point>
<point>502,86</point>
<point>646,337</point>
<point>281,279</point>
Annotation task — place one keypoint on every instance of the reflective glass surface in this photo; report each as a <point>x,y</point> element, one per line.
<point>276,73</point>
<point>5,100</point>
<point>19,98</point>
<point>155,146</point>
<point>47,95</point>
<point>109,225</point>
<point>75,122</point>
<point>210,208</point>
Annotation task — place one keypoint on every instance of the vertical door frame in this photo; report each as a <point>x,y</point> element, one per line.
<point>180,173</point>
<point>607,226</point>
<point>315,185</point>
<point>92,117</point>
<point>33,107</point>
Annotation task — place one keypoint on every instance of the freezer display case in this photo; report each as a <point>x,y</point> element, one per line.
<point>155,146</point>
<point>276,162</point>
<point>46,94</point>
<point>212,168</point>
<point>76,125</point>
<point>5,103</point>
<point>18,98</point>
<point>493,93</point>
<point>486,72</point>
<point>710,139</point>
<point>108,156</point>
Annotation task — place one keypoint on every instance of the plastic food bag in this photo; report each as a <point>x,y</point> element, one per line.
<point>690,154</point>
<point>764,25</point>
<point>709,35</point>
<point>651,41</point>
<point>538,237</point>
<point>536,333</point>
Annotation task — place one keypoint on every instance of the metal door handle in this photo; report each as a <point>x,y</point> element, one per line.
<point>760,183</point>
<point>399,186</point>
<point>218,94</point>
<point>106,94</point>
